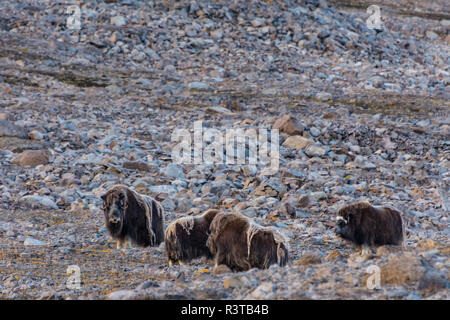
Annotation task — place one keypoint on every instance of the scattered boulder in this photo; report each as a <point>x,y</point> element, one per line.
<point>297,142</point>
<point>221,269</point>
<point>136,165</point>
<point>403,268</point>
<point>432,281</point>
<point>308,257</point>
<point>32,158</point>
<point>9,129</point>
<point>36,201</point>
<point>288,125</point>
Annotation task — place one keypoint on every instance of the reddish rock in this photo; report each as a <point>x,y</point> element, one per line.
<point>32,158</point>
<point>288,125</point>
<point>136,165</point>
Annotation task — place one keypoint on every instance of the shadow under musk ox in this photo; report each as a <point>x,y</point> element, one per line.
<point>368,226</point>
<point>241,244</point>
<point>133,218</point>
<point>185,238</point>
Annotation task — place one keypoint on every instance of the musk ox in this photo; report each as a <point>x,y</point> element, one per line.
<point>185,238</point>
<point>133,218</point>
<point>369,226</point>
<point>241,244</point>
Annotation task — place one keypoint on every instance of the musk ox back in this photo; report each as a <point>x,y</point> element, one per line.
<point>185,238</point>
<point>368,226</point>
<point>241,244</point>
<point>132,217</point>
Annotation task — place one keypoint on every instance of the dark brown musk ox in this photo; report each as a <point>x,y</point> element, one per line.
<point>241,244</point>
<point>368,226</point>
<point>185,238</point>
<point>131,217</point>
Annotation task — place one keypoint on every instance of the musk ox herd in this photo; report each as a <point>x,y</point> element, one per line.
<point>230,238</point>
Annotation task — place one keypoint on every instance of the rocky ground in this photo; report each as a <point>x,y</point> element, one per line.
<point>363,115</point>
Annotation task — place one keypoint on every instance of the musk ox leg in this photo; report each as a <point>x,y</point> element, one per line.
<point>170,262</point>
<point>365,250</point>
<point>219,259</point>
<point>128,243</point>
<point>119,244</point>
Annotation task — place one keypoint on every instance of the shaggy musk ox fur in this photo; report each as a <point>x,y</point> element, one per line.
<point>368,226</point>
<point>132,217</point>
<point>241,244</point>
<point>185,238</point>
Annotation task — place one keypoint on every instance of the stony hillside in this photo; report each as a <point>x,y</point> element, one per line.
<point>363,115</point>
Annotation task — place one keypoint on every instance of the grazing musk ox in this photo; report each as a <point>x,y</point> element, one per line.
<point>369,226</point>
<point>242,244</point>
<point>185,238</point>
<point>132,217</point>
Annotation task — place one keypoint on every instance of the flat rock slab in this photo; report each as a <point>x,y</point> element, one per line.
<point>9,129</point>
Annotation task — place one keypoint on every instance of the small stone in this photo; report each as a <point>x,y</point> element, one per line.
<point>303,201</point>
<point>49,295</point>
<point>36,201</point>
<point>297,142</point>
<point>217,34</point>
<point>364,163</point>
<point>355,149</point>
<point>4,116</point>
<point>113,37</point>
<point>122,295</point>
<point>118,21</point>
<point>317,196</point>
<point>169,205</point>
<point>432,35</point>
<point>288,125</point>
<point>33,242</point>
<point>333,255</point>
<point>323,96</point>
<point>271,189</point>
<point>233,282</point>
<point>264,291</point>
<point>250,212</point>
<point>308,258</point>
<point>433,281</point>
<point>221,269</point>
<point>257,22</point>
<point>174,171</point>
<point>219,110</point>
<point>428,244</point>
<point>36,135</point>
<point>136,165</point>
<point>184,204</point>
<point>314,151</point>
<point>315,132</point>
<point>199,86</point>
<point>249,170</point>
<point>147,284</point>
<point>287,210</point>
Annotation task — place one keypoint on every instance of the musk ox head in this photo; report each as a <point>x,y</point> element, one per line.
<point>114,208</point>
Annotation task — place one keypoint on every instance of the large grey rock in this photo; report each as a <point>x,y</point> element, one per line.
<point>9,129</point>
<point>37,201</point>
